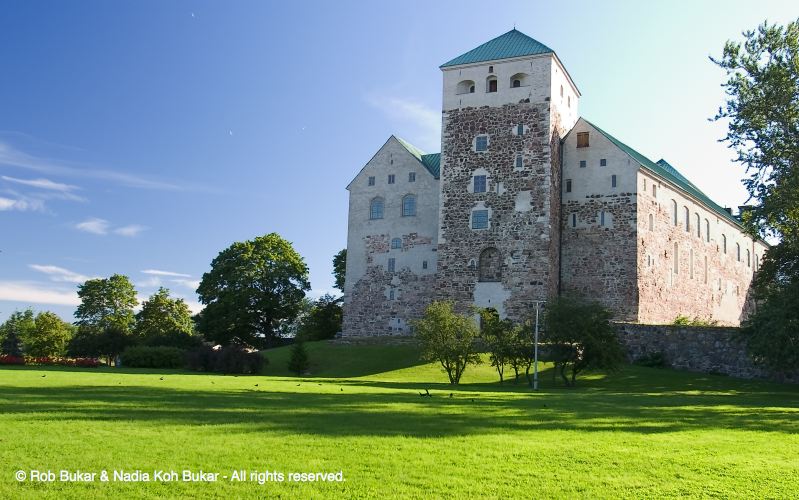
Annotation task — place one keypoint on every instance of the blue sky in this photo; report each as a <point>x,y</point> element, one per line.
<point>144,137</point>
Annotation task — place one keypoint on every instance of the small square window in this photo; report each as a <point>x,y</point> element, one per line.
<point>481,143</point>
<point>603,163</point>
<point>412,177</point>
<point>479,183</point>
<point>392,263</point>
<point>582,139</point>
<point>391,178</point>
<point>396,243</point>
<point>568,185</point>
<point>480,219</point>
<point>613,181</point>
<point>582,163</point>
<point>372,181</point>
<point>490,69</point>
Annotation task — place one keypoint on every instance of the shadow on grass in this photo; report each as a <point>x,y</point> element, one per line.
<point>627,403</point>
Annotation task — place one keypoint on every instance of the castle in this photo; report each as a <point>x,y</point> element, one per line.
<point>527,200</point>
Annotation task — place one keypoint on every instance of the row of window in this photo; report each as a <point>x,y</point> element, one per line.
<point>492,83</point>
<point>613,183</point>
<point>392,178</point>
<point>377,207</point>
<point>481,141</point>
<point>392,265</point>
<point>676,262</point>
<point>602,163</point>
<point>602,219</point>
<point>698,226</point>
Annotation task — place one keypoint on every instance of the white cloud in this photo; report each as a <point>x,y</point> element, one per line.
<point>423,123</point>
<point>60,274</point>
<point>21,205</point>
<point>37,293</point>
<point>46,184</point>
<point>93,225</point>
<point>130,230</point>
<point>151,282</point>
<point>158,272</point>
<point>190,284</point>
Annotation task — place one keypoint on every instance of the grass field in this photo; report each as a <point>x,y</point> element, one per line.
<point>637,433</point>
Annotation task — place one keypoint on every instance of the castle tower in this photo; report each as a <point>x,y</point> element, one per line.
<point>506,106</point>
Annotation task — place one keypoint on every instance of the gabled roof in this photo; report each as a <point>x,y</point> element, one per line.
<point>514,43</point>
<point>430,161</point>
<point>666,171</point>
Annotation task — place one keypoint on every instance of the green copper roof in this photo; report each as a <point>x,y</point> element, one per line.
<point>663,169</point>
<point>512,44</point>
<point>430,161</point>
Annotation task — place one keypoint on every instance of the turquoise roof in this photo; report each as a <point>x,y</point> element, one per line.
<point>430,161</point>
<point>663,169</point>
<point>514,43</point>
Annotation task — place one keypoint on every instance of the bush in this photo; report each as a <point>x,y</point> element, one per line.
<point>46,360</point>
<point>8,359</point>
<point>153,357</point>
<point>228,359</point>
<point>696,321</point>
<point>652,360</point>
<point>298,363</point>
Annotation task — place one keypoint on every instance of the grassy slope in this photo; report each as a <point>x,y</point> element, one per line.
<point>641,432</point>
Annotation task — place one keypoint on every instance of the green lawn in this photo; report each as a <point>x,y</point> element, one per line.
<point>637,433</point>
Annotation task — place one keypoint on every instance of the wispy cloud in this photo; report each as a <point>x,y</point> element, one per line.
<point>420,122</point>
<point>188,283</point>
<point>41,183</point>
<point>158,272</point>
<point>13,157</point>
<point>94,225</point>
<point>60,274</point>
<point>130,230</point>
<point>37,293</point>
<point>46,189</point>
<point>21,204</point>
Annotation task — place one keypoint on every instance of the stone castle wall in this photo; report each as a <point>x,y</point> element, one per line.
<point>519,201</point>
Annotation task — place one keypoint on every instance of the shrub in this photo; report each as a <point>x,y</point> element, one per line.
<point>228,359</point>
<point>8,359</point>
<point>298,363</point>
<point>652,360</point>
<point>153,357</point>
<point>682,320</point>
<point>447,337</point>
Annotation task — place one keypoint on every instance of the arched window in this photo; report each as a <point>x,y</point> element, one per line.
<point>698,226</point>
<point>465,87</point>
<point>490,265</point>
<point>651,222</point>
<point>408,205</point>
<point>491,84</point>
<point>724,243</point>
<point>520,80</point>
<point>707,230</point>
<point>748,258</point>
<point>396,243</point>
<point>738,252</point>
<point>687,219</point>
<point>516,83</point>
<point>376,208</point>
<point>674,211</point>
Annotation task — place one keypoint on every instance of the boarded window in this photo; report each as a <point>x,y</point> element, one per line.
<point>582,139</point>
<point>490,265</point>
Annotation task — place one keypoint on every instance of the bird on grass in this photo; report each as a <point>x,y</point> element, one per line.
<point>342,389</point>
<point>426,393</point>
<point>162,378</point>
<point>256,385</point>
<point>450,394</point>
<point>44,375</point>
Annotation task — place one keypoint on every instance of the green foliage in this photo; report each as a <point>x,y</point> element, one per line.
<point>499,336</point>
<point>682,320</point>
<point>164,321</point>
<point>229,359</point>
<point>107,303</point>
<point>18,326</point>
<point>90,341</point>
<point>253,288</point>
<point>323,319</point>
<point>48,337</point>
<point>298,363</point>
<point>340,268</point>
<point>153,357</point>
<point>652,360</point>
<point>447,337</point>
<point>581,337</point>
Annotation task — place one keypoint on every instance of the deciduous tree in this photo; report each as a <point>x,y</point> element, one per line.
<point>447,337</point>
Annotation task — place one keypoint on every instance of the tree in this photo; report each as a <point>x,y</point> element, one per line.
<point>106,303</point>
<point>498,335</point>
<point>252,289</point>
<point>164,321</point>
<point>298,363</point>
<point>49,335</point>
<point>448,338</point>
<point>14,329</point>
<point>580,337</point>
<point>340,268</point>
<point>762,110</point>
<point>322,321</point>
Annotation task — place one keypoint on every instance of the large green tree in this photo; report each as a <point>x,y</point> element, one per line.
<point>164,320</point>
<point>14,329</point>
<point>106,303</point>
<point>340,268</point>
<point>253,288</point>
<point>49,335</point>
<point>762,111</point>
<point>447,337</point>
<point>323,319</point>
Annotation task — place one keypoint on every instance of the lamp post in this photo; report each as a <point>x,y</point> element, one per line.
<point>535,345</point>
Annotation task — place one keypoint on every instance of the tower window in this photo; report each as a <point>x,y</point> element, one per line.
<point>424,264</point>
<point>491,84</point>
<point>391,178</point>
<point>372,180</point>
<point>465,87</point>
<point>471,89</point>
<point>392,264</point>
<point>582,139</point>
<point>569,101</point>
<point>376,209</point>
<point>613,181</point>
<point>604,163</point>
<point>391,295</point>
<point>411,176</point>
<point>519,161</point>
<point>705,274</point>
<point>582,163</point>
<point>568,185</point>
<point>396,243</point>
<point>481,143</point>
<point>490,265</point>
<point>602,218</point>
<point>520,129</point>
<point>516,83</point>
<point>480,219</point>
<point>409,205</point>
<point>479,183</point>
<point>574,220</point>
<point>490,69</point>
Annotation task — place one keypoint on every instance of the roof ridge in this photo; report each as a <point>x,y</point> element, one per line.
<point>508,45</point>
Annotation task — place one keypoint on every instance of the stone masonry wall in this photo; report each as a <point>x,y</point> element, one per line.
<point>519,201</point>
